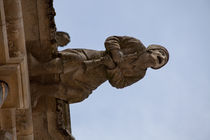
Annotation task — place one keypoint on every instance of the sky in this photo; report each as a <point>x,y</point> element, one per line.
<point>172,103</point>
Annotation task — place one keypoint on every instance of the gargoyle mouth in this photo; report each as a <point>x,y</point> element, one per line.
<point>159,59</point>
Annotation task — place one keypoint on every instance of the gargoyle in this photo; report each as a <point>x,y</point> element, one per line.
<point>74,73</point>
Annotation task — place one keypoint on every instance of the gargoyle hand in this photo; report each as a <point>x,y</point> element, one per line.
<point>108,62</point>
<point>117,56</point>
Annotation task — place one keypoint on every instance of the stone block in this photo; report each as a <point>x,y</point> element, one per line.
<point>3,92</point>
<point>11,74</point>
<point>27,137</point>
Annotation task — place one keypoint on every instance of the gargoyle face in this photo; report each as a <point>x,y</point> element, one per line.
<point>159,54</point>
<point>160,58</point>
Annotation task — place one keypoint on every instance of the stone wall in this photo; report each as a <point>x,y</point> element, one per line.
<point>27,28</point>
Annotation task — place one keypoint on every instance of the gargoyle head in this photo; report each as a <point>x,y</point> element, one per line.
<point>62,38</point>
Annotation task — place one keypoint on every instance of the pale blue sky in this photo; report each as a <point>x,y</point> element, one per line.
<point>172,103</point>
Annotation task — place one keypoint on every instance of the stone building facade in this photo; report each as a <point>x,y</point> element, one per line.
<point>27,27</point>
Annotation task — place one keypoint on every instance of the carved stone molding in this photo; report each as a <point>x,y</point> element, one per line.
<point>63,119</point>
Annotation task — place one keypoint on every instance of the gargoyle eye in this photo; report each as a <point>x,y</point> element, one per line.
<point>163,53</point>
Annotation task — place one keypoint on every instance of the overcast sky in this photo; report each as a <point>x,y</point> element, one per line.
<point>172,103</point>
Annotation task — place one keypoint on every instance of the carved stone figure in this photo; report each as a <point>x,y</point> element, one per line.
<point>75,73</point>
<point>62,38</point>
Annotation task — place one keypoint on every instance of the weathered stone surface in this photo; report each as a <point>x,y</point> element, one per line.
<point>14,71</point>
<point>57,78</point>
<point>15,32</point>
<point>40,28</point>
<point>24,123</point>
<point>40,31</point>
<point>51,120</point>
<point>4,52</point>
<point>8,124</point>
<point>11,75</point>
<point>81,71</point>
<point>3,92</point>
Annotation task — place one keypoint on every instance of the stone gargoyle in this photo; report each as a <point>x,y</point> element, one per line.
<point>74,73</point>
